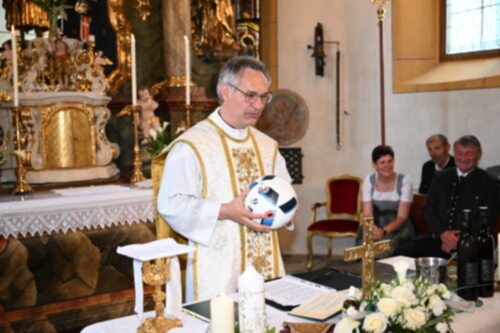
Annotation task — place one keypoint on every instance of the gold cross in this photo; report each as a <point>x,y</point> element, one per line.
<point>367,252</point>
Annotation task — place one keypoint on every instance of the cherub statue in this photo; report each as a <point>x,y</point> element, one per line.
<point>148,119</point>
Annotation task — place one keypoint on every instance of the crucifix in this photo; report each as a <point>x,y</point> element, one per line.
<point>366,252</point>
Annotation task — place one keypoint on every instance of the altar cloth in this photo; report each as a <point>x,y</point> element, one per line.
<point>74,209</point>
<point>484,319</point>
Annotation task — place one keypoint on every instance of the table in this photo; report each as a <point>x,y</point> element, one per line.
<point>74,209</point>
<point>59,247</point>
<point>484,319</point>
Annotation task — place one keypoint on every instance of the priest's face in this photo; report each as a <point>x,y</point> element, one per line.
<point>466,157</point>
<point>243,103</point>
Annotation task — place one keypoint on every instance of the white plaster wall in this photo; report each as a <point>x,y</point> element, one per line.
<point>410,117</point>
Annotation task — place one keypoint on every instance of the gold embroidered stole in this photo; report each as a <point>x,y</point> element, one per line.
<point>246,164</point>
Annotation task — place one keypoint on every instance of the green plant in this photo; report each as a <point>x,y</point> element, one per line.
<point>159,139</point>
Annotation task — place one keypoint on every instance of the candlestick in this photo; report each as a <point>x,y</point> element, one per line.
<point>15,74</point>
<point>188,70</point>
<point>252,314</point>
<point>222,314</point>
<point>134,71</point>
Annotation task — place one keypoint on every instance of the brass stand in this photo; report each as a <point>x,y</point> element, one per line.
<point>134,111</point>
<point>157,275</point>
<point>22,186</point>
<point>188,115</point>
<point>366,252</point>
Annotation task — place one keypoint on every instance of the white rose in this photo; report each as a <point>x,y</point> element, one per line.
<point>346,325</point>
<point>403,296</point>
<point>375,323</point>
<point>414,318</point>
<point>444,291</point>
<point>442,328</point>
<point>387,306</point>
<point>436,305</point>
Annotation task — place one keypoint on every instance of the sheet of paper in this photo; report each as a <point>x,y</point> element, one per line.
<point>290,290</point>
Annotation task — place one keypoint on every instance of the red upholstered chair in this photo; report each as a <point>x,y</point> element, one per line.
<point>343,210</point>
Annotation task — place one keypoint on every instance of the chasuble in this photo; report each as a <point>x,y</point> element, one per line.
<point>208,165</point>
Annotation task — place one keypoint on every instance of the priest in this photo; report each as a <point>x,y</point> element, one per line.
<point>205,180</point>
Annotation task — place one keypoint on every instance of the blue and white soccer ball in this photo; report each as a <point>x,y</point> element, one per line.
<point>274,197</point>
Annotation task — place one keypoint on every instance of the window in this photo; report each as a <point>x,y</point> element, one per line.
<point>471,28</point>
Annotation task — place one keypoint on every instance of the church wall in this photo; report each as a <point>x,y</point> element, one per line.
<point>410,117</point>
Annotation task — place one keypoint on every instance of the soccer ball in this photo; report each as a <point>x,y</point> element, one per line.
<point>274,197</point>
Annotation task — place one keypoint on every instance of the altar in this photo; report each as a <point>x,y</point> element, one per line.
<point>484,319</point>
<point>58,254</point>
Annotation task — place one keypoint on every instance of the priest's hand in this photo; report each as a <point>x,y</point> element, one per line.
<point>235,210</point>
<point>449,239</point>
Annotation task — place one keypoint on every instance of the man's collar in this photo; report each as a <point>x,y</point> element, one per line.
<point>436,166</point>
<point>464,174</point>
<point>228,129</point>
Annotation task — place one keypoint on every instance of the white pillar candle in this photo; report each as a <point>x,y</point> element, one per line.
<point>188,69</point>
<point>222,314</point>
<point>251,302</point>
<point>134,71</point>
<point>92,38</point>
<point>15,73</point>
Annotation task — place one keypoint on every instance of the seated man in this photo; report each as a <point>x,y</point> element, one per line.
<point>453,190</point>
<point>439,151</point>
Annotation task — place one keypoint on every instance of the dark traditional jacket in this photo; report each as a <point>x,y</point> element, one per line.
<point>448,197</point>
<point>428,170</point>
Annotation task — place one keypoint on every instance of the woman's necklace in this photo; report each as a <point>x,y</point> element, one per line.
<point>386,185</point>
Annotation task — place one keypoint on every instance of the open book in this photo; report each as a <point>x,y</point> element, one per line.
<point>321,306</point>
<point>304,298</point>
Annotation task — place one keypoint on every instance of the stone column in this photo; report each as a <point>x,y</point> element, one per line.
<point>176,21</point>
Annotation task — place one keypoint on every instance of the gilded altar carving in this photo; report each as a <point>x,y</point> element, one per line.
<point>123,28</point>
<point>68,136</point>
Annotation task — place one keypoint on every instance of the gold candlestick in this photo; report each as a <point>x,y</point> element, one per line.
<point>188,115</point>
<point>157,274</point>
<point>134,110</point>
<point>366,252</point>
<point>22,185</point>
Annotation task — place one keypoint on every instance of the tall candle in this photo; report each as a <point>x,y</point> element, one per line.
<point>222,314</point>
<point>251,302</point>
<point>188,69</point>
<point>134,71</point>
<point>15,74</point>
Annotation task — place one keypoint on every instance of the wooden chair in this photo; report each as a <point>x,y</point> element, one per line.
<point>343,209</point>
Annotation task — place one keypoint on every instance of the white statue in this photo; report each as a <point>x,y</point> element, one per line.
<point>148,119</point>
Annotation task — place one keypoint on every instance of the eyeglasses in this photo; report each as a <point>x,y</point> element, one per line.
<point>251,96</point>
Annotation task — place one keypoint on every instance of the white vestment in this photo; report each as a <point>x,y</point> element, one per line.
<point>209,165</point>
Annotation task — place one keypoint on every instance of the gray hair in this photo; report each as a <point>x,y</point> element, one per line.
<point>439,136</point>
<point>469,140</point>
<point>230,73</point>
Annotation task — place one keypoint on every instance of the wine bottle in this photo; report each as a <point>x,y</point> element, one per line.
<point>486,255</point>
<point>467,261</point>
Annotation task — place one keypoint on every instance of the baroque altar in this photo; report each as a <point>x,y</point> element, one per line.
<point>58,89</point>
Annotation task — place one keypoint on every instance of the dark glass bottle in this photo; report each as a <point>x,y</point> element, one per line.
<point>486,255</point>
<point>467,261</point>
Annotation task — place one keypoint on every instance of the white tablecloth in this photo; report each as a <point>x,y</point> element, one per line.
<point>75,209</point>
<point>484,319</point>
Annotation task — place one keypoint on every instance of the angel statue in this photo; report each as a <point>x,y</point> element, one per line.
<point>148,120</point>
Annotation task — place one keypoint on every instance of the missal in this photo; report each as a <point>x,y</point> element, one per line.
<point>289,291</point>
<point>321,306</point>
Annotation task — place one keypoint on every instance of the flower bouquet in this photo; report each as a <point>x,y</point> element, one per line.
<point>403,305</point>
<point>159,138</point>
